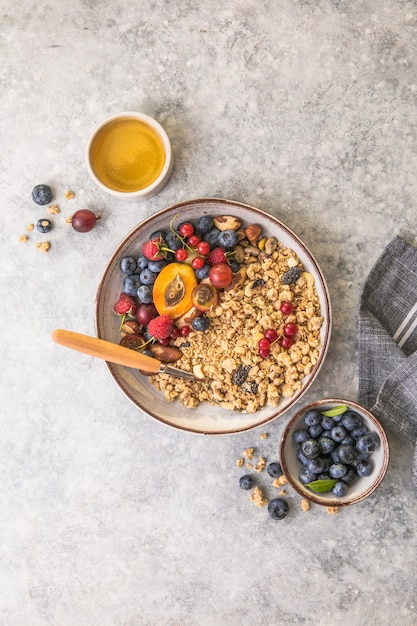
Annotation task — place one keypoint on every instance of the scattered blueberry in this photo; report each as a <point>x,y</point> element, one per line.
<point>202,272</point>
<point>131,283</point>
<point>234,266</point>
<point>147,277</point>
<point>201,323</point>
<point>173,241</point>
<point>43,225</point>
<point>42,194</point>
<point>274,470</point>
<point>205,224</point>
<point>144,294</point>
<point>157,266</point>
<point>246,482</point>
<point>278,508</point>
<point>128,265</point>
<point>212,237</point>
<point>142,262</point>
<point>227,239</point>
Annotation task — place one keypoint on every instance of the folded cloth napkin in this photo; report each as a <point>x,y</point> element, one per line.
<point>388,341</point>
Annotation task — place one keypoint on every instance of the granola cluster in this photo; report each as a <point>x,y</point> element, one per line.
<point>236,377</point>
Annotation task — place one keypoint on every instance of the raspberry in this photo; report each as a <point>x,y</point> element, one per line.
<point>125,305</point>
<point>154,249</point>
<point>161,327</point>
<point>216,256</point>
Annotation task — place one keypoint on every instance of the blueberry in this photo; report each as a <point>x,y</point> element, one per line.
<point>327,422</point>
<point>173,241</point>
<point>212,237</point>
<point>299,435</point>
<point>326,445</point>
<point>202,272</point>
<point>291,276</point>
<point>42,194</point>
<point>148,352</point>
<point>337,470</point>
<point>312,418</point>
<point>338,433</point>
<point>147,277</point>
<point>227,239</point>
<point>334,455</point>
<point>359,432</point>
<point>144,294</point>
<point>367,443</point>
<point>347,453</point>
<point>306,476</point>
<point>43,225</point>
<point>131,283</point>
<point>364,468</point>
<point>316,466</point>
<point>201,323</point>
<point>315,431</point>
<point>350,477</point>
<point>246,482</point>
<point>128,265</point>
<point>351,420</point>
<point>157,266</point>
<point>348,440</point>
<point>141,263</point>
<point>278,508</point>
<point>234,266</point>
<point>310,448</point>
<point>340,489</point>
<point>323,476</point>
<point>157,234</point>
<point>301,457</point>
<point>205,224</point>
<point>274,470</point>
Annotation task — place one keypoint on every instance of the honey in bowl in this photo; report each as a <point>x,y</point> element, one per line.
<point>127,155</point>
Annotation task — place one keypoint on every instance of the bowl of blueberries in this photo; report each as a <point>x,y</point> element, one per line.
<point>334,452</point>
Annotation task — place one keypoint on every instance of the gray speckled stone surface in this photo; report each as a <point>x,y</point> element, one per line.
<point>306,109</point>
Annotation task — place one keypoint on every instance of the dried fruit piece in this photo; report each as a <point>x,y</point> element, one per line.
<point>204,296</point>
<point>254,287</point>
<point>291,276</point>
<point>240,374</point>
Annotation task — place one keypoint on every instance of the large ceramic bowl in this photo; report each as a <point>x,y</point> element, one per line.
<point>364,485</point>
<point>205,419</point>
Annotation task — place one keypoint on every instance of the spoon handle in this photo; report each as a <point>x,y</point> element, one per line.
<point>106,350</point>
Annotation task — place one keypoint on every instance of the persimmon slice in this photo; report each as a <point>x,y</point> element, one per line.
<point>173,288</point>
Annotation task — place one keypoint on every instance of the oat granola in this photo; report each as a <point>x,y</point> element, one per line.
<point>237,322</point>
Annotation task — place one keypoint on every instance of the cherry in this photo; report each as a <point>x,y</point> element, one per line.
<point>290,329</point>
<point>193,241</point>
<point>286,307</point>
<point>286,342</point>
<point>197,263</point>
<point>271,334</point>
<point>203,247</point>
<point>181,254</point>
<point>186,229</point>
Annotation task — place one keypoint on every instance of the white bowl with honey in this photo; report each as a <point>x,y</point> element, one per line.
<point>129,156</point>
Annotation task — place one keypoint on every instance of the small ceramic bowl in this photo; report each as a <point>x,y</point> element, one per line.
<point>129,156</point>
<point>364,485</point>
<point>206,418</point>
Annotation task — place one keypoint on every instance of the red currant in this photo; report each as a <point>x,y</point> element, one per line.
<point>290,329</point>
<point>181,254</point>
<point>184,331</point>
<point>286,342</point>
<point>286,308</point>
<point>264,353</point>
<point>197,263</point>
<point>194,240</point>
<point>186,229</point>
<point>263,347</point>
<point>203,247</point>
<point>164,342</point>
<point>175,333</point>
<point>271,334</point>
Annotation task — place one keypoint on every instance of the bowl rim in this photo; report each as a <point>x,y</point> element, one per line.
<point>314,497</point>
<point>327,314</point>
<point>163,177</point>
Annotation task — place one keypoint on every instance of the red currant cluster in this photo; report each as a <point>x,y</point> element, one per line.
<point>270,335</point>
<point>184,331</point>
<point>194,242</point>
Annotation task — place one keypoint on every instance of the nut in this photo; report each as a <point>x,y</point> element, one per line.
<point>237,280</point>
<point>226,222</point>
<point>198,371</point>
<point>271,245</point>
<point>254,287</point>
<point>166,354</point>
<point>130,327</point>
<point>309,278</point>
<point>253,233</point>
<point>239,254</point>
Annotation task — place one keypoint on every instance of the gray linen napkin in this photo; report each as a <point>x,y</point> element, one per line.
<point>388,341</point>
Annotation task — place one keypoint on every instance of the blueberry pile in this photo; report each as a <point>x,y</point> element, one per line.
<point>334,449</point>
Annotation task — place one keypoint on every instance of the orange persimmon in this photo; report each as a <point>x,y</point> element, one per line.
<point>173,288</point>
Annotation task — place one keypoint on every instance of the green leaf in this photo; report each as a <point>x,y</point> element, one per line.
<point>321,486</point>
<point>337,410</point>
